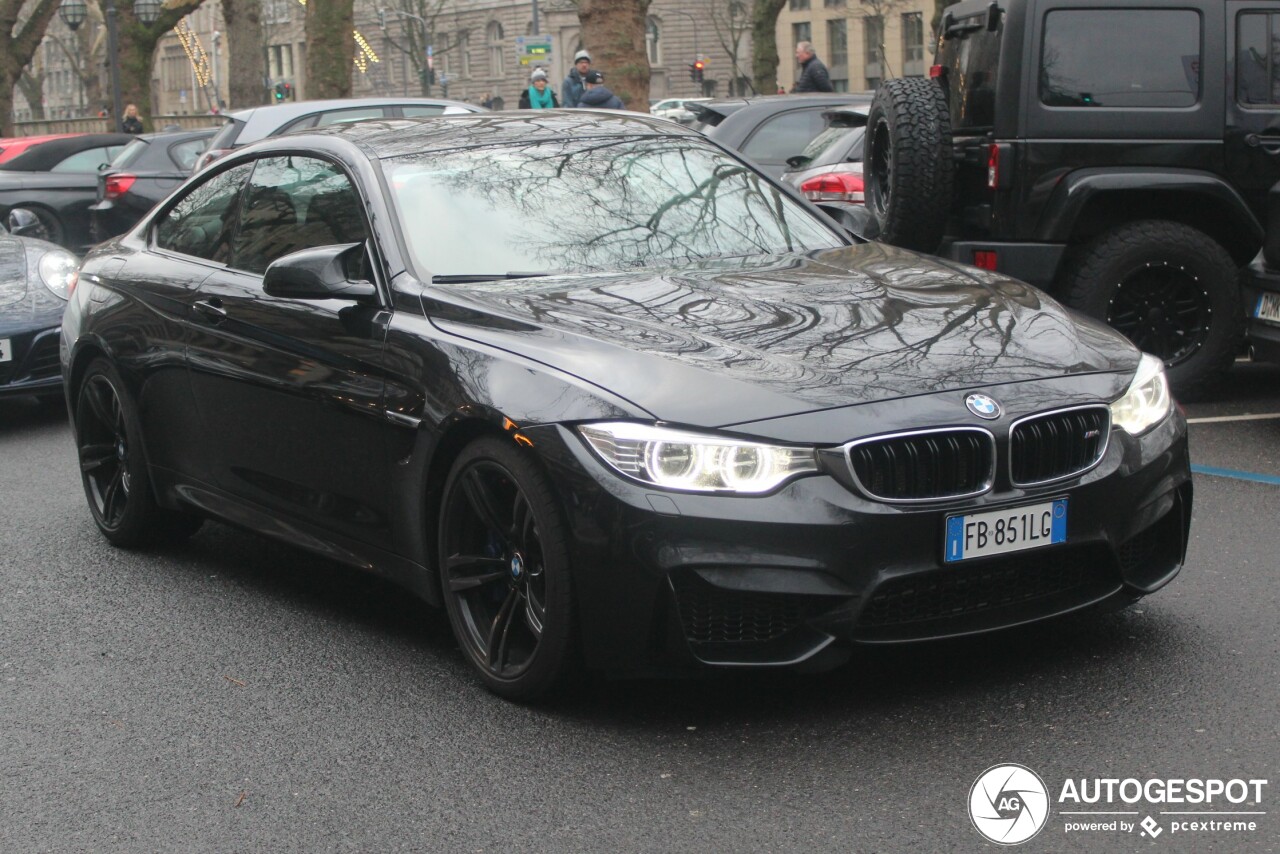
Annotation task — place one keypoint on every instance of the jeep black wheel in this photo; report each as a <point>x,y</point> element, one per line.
<point>504,570</point>
<point>908,165</point>
<point>113,464</point>
<point>1171,289</point>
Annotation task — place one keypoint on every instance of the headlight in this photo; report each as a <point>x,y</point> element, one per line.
<point>57,271</point>
<point>1147,401</point>
<point>674,459</point>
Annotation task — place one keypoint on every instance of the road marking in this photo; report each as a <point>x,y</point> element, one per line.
<point>1217,419</point>
<point>1238,475</point>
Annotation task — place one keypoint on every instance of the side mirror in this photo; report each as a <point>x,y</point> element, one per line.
<point>24,223</point>
<point>317,273</point>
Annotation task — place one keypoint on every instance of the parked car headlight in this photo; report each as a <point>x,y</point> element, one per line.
<point>1147,400</point>
<point>675,459</point>
<point>57,271</point>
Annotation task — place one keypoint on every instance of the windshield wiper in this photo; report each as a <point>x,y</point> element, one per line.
<point>462,278</point>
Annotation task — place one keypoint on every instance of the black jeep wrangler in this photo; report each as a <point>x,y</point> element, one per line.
<point>1124,156</point>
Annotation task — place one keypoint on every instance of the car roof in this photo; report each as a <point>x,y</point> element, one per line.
<point>768,104</point>
<point>46,155</point>
<point>383,138</point>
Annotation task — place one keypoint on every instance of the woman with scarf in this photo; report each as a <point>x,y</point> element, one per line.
<point>538,96</point>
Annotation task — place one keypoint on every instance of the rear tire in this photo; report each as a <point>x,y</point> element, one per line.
<point>50,226</point>
<point>1171,289</point>
<point>908,165</point>
<point>504,569</point>
<point>113,465</point>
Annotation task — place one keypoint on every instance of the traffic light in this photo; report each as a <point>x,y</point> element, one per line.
<point>696,70</point>
<point>279,91</point>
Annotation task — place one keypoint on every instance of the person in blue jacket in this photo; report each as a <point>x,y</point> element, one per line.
<point>572,88</point>
<point>598,96</point>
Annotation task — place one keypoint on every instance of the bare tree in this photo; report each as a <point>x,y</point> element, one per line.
<point>31,84</point>
<point>881,11</point>
<point>411,26</point>
<point>137,50</point>
<point>614,32</point>
<point>331,48</point>
<point>244,39</point>
<point>731,23</point>
<point>22,26</point>
<point>764,43</point>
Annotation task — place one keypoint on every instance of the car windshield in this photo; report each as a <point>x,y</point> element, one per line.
<point>833,145</point>
<point>591,204</point>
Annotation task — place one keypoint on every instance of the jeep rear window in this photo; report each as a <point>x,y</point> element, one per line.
<point>971,55</point>
<point>1120,58</point>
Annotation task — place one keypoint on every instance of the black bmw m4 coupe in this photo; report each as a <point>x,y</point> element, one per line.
<point>613,400</point>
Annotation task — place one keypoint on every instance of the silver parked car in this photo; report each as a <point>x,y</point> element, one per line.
<point>246,126</point>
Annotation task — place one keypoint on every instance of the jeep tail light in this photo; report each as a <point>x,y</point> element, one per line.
<point>985,259</point>
<point>937,71</point>
<point>834,187</point>
<point>116,186</point>
<point>993,166</point>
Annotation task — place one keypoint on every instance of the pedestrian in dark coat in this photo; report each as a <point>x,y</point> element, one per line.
<point>598,96</point>
<point>813,74</point>
<point>574,83</point>
<point>131,123</point>
<point>538,95</point>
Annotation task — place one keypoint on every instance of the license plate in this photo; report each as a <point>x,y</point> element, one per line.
<point>1002,531</point>
<point>6,350</point>
<point>1268,307</point>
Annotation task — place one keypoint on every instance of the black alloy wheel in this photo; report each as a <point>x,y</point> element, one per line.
<point>1163,310</point>
<point>504,569</point>
<point>1171,289</point>
<point>113,465</point>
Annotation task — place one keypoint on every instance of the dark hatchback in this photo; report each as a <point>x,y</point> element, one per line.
<point>699,428</point>
<point>146,171</point>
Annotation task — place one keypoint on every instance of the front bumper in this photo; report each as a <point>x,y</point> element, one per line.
<point>668,581</point>
<point>34,368</point>
<point>1263,335</point>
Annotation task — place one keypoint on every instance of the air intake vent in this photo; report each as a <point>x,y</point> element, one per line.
<point>925,466</point>
<point>1058,445</point>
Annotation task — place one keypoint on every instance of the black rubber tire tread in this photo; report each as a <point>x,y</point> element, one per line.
<point>144,522</point>
<point>1094,271</point>
<point>557,661</point>
<point>910,115</point>
<point>49,222</point>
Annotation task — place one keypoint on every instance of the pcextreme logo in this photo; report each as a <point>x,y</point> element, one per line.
<point>1009,804</point>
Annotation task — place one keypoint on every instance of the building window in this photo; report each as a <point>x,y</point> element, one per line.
<point>799,5</point>
<point>838,43</point>
<point>464,52</point>
<point>913,44</point>
<point>651,43</point>
<point>801,32</point>
<point>493,35</point>
<point>276,11</point>
<point>873,38</point>
<point>834,4</point>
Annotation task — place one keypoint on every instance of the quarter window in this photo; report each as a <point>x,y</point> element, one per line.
<point>199,224</point>
<point>294,203</point>
<point>1257,68</point>
<point>1091,58</point>
<point>784,135</point>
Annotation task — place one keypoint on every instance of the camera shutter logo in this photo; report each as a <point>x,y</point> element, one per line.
<point>1009,804</point>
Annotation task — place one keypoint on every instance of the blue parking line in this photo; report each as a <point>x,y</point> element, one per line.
<point>1238,475</point>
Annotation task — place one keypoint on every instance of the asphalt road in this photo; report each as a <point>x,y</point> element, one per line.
<point>233,694</point>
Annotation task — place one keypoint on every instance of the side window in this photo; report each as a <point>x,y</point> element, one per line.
<point>199,224</point>
<point>184,154</point>
<point>295,203</point>
<point>88,160</point>
<point>413,111</point>
<point>1091,58</point>
<point>785,135</point>
<point>1257,69</point>
<point>334,117</point>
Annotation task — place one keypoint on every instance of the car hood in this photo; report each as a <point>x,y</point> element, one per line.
<point>735,341</point>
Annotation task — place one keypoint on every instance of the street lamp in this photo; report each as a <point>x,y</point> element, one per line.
<point>147,11</point>
<point>73,14</point>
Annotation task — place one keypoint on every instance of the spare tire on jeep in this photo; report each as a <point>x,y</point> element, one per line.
<point>908,164</point>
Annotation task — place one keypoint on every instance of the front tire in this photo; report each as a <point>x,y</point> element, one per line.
<point>113,465</point>
<point>504,570</point>
<point>1170,289</point>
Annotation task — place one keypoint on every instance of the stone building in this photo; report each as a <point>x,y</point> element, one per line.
<point>862,42</point>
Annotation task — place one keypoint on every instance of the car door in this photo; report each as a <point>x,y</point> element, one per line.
<point>1251,140</point>
<point>290,390</point>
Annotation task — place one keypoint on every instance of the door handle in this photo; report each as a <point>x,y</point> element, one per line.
<point>1268,142</point>
<point>211,310</point>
